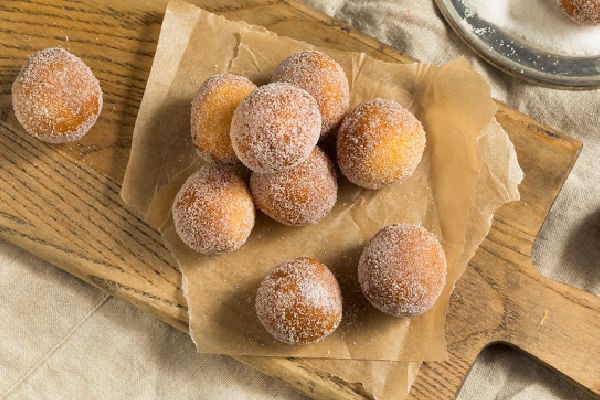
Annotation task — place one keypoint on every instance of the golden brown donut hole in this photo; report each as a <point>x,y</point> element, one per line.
<point>402,270</point>
<point>56,97</point>
<point>379,142</point>
<point>585,12</point>
<point>212,111</point>
<point>301,195</point>
<point>299,301</point>
<point>275,127</point>
<point>213,211</point>
<point>322,77</point>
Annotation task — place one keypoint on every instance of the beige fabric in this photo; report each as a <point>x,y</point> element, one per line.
<point>502,373</point>
<point>61,339</point>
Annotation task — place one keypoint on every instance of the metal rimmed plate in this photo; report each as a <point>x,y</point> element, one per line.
<point>517,58</point>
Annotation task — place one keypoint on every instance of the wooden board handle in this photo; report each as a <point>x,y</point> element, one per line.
<point>557,324</point>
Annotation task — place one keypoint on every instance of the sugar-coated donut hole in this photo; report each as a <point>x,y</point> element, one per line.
<point>402,270</point>
<point>299,301</point>
<point>585,12</point>
<point>56,97</point>
<point>322,77</point>
<point>212,111</point>
<point>301,195</point>
<point>379,142</point>
<point>213,211</point>
<point>275,127</point>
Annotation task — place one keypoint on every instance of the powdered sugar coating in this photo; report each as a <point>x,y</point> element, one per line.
<point>584,12</point>
<point>299,301</point>
<point>300,195</point>
<point>379,142</point>
<point>213,212</point>
<point>275,127</point>
<point>56,97</point>
<point>211,114</point>
<point>322,77</point>
<point>402,270</point>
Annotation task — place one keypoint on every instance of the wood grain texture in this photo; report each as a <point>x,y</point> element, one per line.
<point>62,202</point>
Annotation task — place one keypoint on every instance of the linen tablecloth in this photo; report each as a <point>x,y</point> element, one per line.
<point>62,339</point>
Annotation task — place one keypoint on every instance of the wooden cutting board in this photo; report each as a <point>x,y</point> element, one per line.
<point>61,202</point>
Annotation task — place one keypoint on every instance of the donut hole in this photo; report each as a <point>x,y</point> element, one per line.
<point>299,302</point>
<point>322,77</point>
<point>213,211</point>
<point>300,195</point>
<point>275,127</point>
<point>402,271</point>
<point>379,142</point>
<point>211,114</point>
<point>56,97</point>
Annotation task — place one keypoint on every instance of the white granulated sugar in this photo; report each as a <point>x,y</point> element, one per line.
<point>540,23</point>
<point>301,195</point>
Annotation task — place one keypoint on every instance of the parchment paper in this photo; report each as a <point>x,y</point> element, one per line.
<point>453,191</point>
<point>389,380</point>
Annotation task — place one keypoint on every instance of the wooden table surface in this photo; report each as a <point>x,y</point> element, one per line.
<point>61,202</point>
